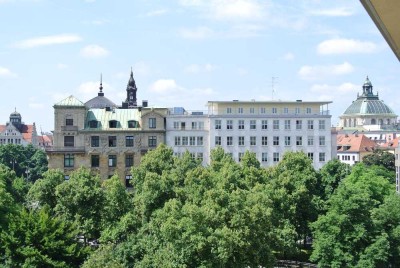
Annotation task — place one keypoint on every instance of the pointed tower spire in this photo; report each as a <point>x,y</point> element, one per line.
<point>131,91</point>
<point>101,85</point>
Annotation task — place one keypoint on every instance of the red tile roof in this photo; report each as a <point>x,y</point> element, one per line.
<point>391,144</point>
<point>26,131</point>
<point>355,143</point>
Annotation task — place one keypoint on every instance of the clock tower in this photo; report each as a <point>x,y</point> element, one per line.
<point>131,92</point>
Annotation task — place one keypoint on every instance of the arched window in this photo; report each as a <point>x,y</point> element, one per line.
<point>373,121</point>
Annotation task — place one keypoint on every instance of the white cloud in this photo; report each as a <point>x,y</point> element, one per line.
<point>62,66</point>
<point>48,40</point>
<point>4,72</point>
<point>36,105</point>
<point>334,12</point>
<point>342,89</point>
<point>199,68</point>
<point>345,46</point>
<point>316,72</point>
<point>165,86</point>
<point>157,12</point>
<point>201,32</point>
<point>288,56</point>
<point>94,51</point>
<point>242,71</point>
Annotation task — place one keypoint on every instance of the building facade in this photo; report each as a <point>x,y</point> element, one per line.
<point>351,148</point>
<point>17,132</point>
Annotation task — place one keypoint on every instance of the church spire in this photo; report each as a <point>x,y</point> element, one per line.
<point>131,91</point>
<point>101,86</point>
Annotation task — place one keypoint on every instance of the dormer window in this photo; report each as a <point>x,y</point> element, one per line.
<point>133,124</point>
<point>93,123</point>
<point>112,123</point>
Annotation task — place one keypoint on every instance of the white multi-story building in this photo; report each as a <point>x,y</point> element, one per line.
<point>267,128</point>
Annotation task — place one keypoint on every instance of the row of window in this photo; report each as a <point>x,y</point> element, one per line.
<point>69,141</point>
<point>195,125</point>
<point>276,156</point>
<point>114,123</point>
<point>198,156</point>
<point>276,124</point>
<point>263,110</point>
<point>8,141</point>
<point>69,160</point>
<point>189,141</point>
<point>276,140</point>
<point>347,157</point>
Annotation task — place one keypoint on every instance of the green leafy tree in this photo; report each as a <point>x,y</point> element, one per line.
<point>331,175</point>
<point>37,239</point>
<point>6,204</point>
<point>380,158</point>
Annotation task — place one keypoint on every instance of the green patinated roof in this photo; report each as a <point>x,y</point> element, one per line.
<point>122,116</point>
<point>368,106</point>
<point>70,101</point>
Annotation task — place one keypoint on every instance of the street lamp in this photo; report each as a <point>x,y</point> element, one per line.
<point>13,162</point>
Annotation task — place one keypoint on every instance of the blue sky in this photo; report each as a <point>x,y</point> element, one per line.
<point>186,52</point>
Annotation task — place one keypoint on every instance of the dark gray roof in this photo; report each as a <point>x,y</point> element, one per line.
<point>368,106</point>
<point>99,102</point>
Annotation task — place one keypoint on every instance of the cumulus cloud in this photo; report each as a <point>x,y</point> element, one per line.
<point>62,66</point>
<point>333,12</point>
<point>288,56</point>
<point>200,68</point>
<point>201,32</point>
<point>345,46</point>
<point>329,89</point>
<point>94,51</point>
<point>4,72</point>
<point>157,12</point>
<point>165,86</point>
<point>308,72</point>
<point>48,40</point>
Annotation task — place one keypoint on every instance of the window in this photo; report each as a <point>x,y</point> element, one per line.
<point>274,110</point>
<point>112,160</point>
<point>201,125</point>
<point>185,141</point>
<point>200,157</point>
<point>93,124</point>
<point>129,160</point>
<point>241,124</point>
<point>310,124</point>
<point>217,140</point>
<point>275,125</point>
<point>217,124</point>
<point>133,124</point>
<point>287,124</point>
<point>310,140</point>
<point>240,110</point>
<point>229,140</point>
<point>129,141</point>
<point>176,124</point>
<point>68,160</point>
<point>252,110</point>
<point>95,141</point>
<point>66,177</point>
<point>299,140</point>
<point>308,110</point>
<point>262,110</point>
<point>229,110</point>
<point>287,140</point>
<point>285,110</point>
<point>253,140</point>
<point>112,124</point>
<point>153,141</point>
<point>229,124</point>
<point>299,124</point>
<point>252,124</point>
<point>321,157</point>
<point>112,141</point>
<point>69,141</point>
<point>95,160</point>
<point>200,141</point>
<point>177,141</point>
<point>297,110</point>
<point>240,156</point>
<point>152,123</point>
<point>275,140</point>
<point>264,140</point>
<point>183,125</point>
<point>194,125</point>
<point>264,157</point>
<point>322,124</point>
<point>128,179</point>
<point>321,140</point>
<point>241,140</point>
<point>193,155</point>
<point>310,155</point>
<point>275,157</point>
<point>264,124</point>
<point>69,122</point>
<point>192,141</point>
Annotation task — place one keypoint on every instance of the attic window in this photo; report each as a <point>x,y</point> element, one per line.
<point>93,124</point>
<point>133,124</point>
<point>112,123</point>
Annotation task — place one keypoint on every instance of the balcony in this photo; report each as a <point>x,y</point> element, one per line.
<point>65,149</point>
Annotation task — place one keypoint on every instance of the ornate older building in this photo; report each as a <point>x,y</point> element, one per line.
<point>17,132</point>
<point>102,136</point>
<point>368,112</point>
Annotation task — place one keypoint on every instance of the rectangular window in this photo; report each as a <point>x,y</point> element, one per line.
<point>183,125</point>
<point>276,157</point>
<point>253,140</point>
<point>68,160</point>
<point>240,110</point>
<point>194,125</point>
<point>264,140</point>
<point>152,123</point>
<point>262,110</point>
<point>200,157</point>
<point>199,141</point>
<point>129,141</point>
<point>240,156</point>
<point>176,124</point>
<point>310,141</point>
<point>285,110</point>
<point>69,122</point>
<point>287,124</point>
<point>299,140</point>
<point>299,124</point>
<point>201,125</point>
<point>321,157</point>
<point>93,124</point>
<point>112,141</point>
<point>229,140</point>
<point>308,110</point>
<point>69,141</point>
<point>297,110</point>
<point>177,141</point>
<point>128,179</point>
<point>152,141</point>
<point>229,124</point>
<point>241,140</point>
<point>95,141</point>
<point>192,141</point>
<point>112,124</point>
<point>252,110</point>
<point>253,124</point>
<point>229,110</point>
<point>275,140</point>
<point>321,140</point>
<point>264,124</point>
<point>310,155</point>
<point>95,160</point>
<point>217,140</point>
<point>112,160</point>
<point>322,124</point>
<point>287,140</point>
<point>274,110</point>
<point>264,157</point>
<point>241,124</point>
<point>129,160</point>
<point>275,125</point>
<point>217,124</point>
<point>185,141</point>
<point>310,124</point>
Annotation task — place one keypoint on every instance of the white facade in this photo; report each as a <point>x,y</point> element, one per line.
<point>349,158</point>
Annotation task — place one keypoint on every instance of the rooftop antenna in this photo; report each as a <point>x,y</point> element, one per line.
<point>273,82</point>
